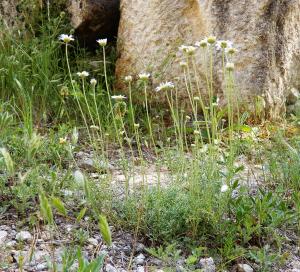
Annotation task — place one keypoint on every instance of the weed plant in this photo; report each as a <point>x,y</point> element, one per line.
<point>51,108</point>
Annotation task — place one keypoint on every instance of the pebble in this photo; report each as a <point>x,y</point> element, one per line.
<point>244,268</point>
<point>140,247</point>
<point>140,269</point>
<point>207,265</point>
<point>140,259</point>
<point>3,236</point>
<point>110,268</point>
<point>93,241</point>
<point>24,236</point>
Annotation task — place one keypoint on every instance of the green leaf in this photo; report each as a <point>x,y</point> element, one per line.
<point>59,206</point>
<point>105,230</point>
<point>46,210</point>
<point>81,214</point>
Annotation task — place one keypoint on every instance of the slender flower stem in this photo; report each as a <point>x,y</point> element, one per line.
<point>74,90</point>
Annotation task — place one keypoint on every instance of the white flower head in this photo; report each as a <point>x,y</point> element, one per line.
<point>203,43</point>
<point>93,82</point>
<point>222,44</point>
<point>229,66</point>
<point>231,50</point>
<point>144,76</point>
<point>66,38</point>
<point>197,132</point>
<point>224,188</point>
<point>165,86</point>
<point>83,74</point>
<point>136,125</point>
<point>187,49</point>
<point>78,177</point>
<point>118,97</point>
<point>211,39</point>
<point>128,78</point>
<point>196,98</point>
<point>183,64</point>
<point>102,42</point>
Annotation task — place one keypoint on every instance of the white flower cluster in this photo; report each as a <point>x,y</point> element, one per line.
<point>144,76</point>
<point>187,49</point>
<point>102,42</point>
<point>83,74</point>
<point>66,38</point>
<point>118,97</point>
<point>165,86</point>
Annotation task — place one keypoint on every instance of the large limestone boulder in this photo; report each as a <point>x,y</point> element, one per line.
<point>150,33</point>
<point>94,19</point>
<point>265,32</point>
<point>8,12</point>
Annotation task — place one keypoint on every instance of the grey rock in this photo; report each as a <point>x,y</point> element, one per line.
<point>110,268</point>
<point>244,268</point>
<point>140,247</point>
<point>91,165</point>
<point>207,265</point>
<point>141,269</point>
<point>3,236</point>
<point>140,259</point>
<point>293,96</point>
<point>93,241</point>
<point>267,65</point>
<point>41,267</point>
<point>11,243</point>
<point>24,236</point>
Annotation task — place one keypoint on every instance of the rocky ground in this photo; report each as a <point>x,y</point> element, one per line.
<point>34,249</point>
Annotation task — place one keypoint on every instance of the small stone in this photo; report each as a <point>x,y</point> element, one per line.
<point>3,236</point>
<point>244,268</point>
<point>110,268</point>
<point>140,247</point>
<point>41,266</point>
<point>140,259</point>
<point>24,236</point>
<point>11,243</point>
<point>293,96</point>
<point>140,269</point>
<point>207,265</point>
<point>93,241</point>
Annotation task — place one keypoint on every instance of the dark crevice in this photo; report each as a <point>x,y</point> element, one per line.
<point>101,20</point>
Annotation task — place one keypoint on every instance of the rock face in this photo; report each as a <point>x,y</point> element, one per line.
<point>94,19</point>
<point>265,32</point>
<point>8,12</point>
<point>150,33</point>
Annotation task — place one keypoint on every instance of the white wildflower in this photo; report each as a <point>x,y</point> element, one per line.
<point>230,50</point>
<point>220,45</point>
<point>136,125</point>
<point>229,66</point>
<point>183,64</point>
<point>211,39</point>
<point>118,97</point>
<point>102,42</point>
<point>66,38</point>
<point>196,98</point>
<point>203,43</point>
<point>83,74</point>
<point>93,81</point>
<point>197,132</point>
<point>224,188</point>
<point>165,86</point>
<point>189,50</point>
<point>128,78</point>
<point>94,127</point>
<point>144,76</point>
